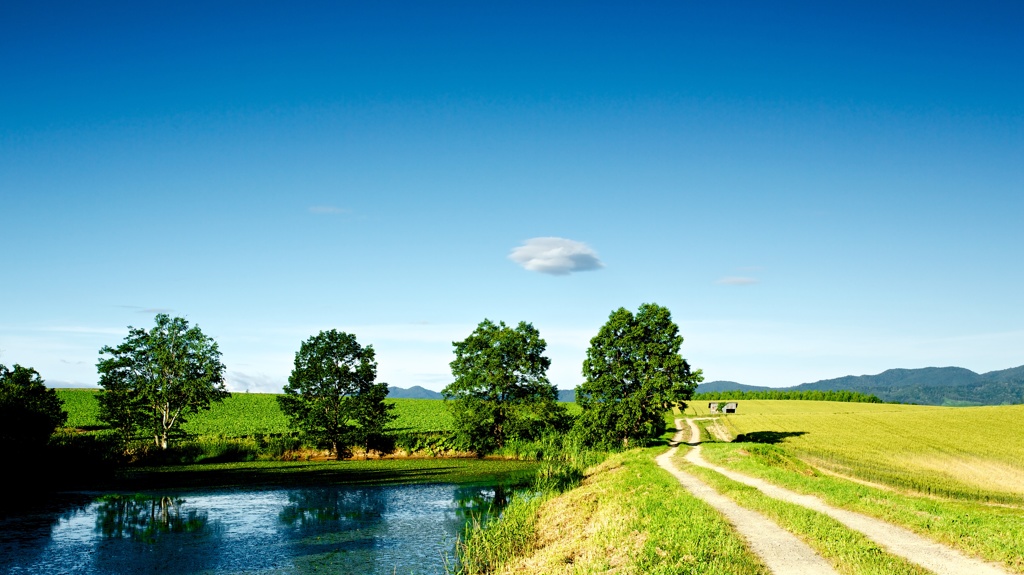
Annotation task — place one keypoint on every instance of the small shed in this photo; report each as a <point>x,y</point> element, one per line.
<point>718,407</point>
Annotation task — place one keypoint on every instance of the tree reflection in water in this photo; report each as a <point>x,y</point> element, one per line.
<point>339,529</point>
<point>475,502</point>
<point>153,534</point>
<point>321,509</point>
<point>145,517</point>
<point>334,529</point>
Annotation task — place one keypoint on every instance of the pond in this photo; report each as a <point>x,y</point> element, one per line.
<point>369,530</point>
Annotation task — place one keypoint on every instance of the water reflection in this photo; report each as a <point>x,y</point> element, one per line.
<point>25,531</point>
<point>153,534</point>
<point>394,529</point>
<point>144,518</point>
<point>473,501</point>
<point>317,508</point>
<point>331,529</point>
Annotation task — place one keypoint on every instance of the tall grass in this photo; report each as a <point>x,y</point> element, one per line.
<point>485,548</point>
<point>212,449</point>
<point>629,516</point>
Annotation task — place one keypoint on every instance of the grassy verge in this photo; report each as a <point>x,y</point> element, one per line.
<point>993,532</point>
<point>628,516</point>
<point>849,552</point>
<point>355,472</point>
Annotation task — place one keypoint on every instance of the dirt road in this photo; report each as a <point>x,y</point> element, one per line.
<point>941,559</point>
<point>781,551</point>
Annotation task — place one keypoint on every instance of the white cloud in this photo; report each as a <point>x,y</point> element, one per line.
<point>737,281</point>
<point>555,256</point>
<point>260,383</point>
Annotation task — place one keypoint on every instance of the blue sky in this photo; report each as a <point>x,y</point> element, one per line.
<point>813,191</point>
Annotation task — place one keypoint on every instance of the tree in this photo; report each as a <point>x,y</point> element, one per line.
<point>634,373</point>
<point>155,379</point>
<point>501,390</point>
<point>332,396</point>
<point>29,411</point>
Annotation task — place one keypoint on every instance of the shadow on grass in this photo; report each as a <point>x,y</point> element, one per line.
<point>771,437</point>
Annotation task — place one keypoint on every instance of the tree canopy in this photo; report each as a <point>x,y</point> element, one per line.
<point>155,379</point>
<point>29,411</point>
<point>332,395</point>
<point>634,373</point>
<point>501,390</point>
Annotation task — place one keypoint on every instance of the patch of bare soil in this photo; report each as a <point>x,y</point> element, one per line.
<point>714,428</point>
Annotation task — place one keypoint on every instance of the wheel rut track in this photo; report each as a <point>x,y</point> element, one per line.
<point>781,551</point>
<point>935,557</point>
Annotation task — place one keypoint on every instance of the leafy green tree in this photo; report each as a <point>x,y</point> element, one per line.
<point>634,373</point>
<point>332,396</point>
<point>29,411</point>
<point>155,379</point>
<point>501,390</point>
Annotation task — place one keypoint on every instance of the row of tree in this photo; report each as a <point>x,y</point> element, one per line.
<point>155,379</point>
<point>633,374</point>
<point>792,394</point>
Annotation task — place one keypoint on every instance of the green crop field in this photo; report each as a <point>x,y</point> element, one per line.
<point>83,411</point>
<point>955,475</point>
<point>247,414</point>
<point>968,452</point>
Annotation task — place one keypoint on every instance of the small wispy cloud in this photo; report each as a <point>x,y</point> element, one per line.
<point>737,281</point>
<point>326,210</point>
<point>555,256</point>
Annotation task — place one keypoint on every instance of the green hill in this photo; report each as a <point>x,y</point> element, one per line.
<point>720,386</point>
<point>934,386</point>
<point>953,386</point>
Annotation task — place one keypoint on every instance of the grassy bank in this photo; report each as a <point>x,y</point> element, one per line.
<point>355,472</point>
<point>628,516</point>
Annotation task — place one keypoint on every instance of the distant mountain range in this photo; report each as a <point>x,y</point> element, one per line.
<point>417,392</point>
<point>414,392</point>
<point>925,386</point>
